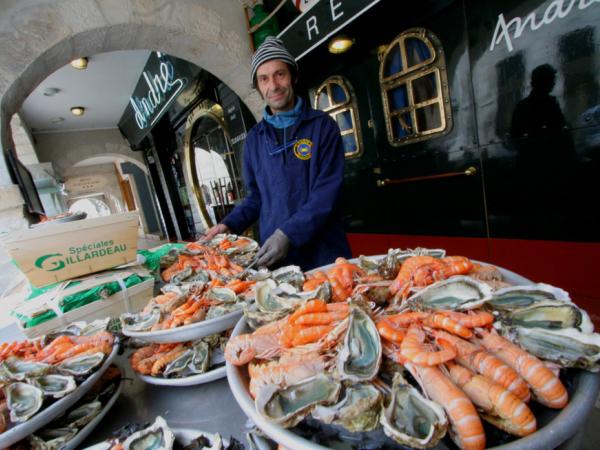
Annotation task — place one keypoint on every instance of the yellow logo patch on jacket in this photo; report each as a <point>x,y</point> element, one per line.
<point>303,149</point>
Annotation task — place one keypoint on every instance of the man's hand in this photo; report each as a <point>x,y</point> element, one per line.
<point>274,249</point>
<point>213,231</point>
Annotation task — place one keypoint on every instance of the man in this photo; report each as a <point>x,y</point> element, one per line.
<point>293,170</point>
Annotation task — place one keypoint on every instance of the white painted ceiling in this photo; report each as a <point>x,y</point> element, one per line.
<point>103,89</point>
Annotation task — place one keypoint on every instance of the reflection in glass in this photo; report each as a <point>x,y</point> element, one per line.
<point>424,88</point>
<point>323,102</point>
<point>349,144</point>
<point>398,97</point>
<point>416,51</point>
<point>339,96</point>
<point>393,62</point>
<point>344,120</point>
<point>428,118</point>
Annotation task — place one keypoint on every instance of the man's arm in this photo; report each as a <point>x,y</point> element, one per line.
<point>316,211</point>
<point>247,212</point>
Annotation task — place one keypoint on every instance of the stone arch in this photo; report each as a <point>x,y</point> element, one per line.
<point>42,36</point>
<point>125,158</point>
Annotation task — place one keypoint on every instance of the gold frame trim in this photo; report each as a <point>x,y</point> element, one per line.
<point>436,64</point>
<point>196,114</point>
<point>338,108</point>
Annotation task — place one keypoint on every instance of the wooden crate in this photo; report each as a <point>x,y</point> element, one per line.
<point>58,252</point>
<point>131,299</point>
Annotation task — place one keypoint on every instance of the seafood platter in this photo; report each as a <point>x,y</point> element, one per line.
<point>158,435</point>
<point>413,349</point>
<point>204,294</point>
<point>42,378</point>
<point>181,364</point>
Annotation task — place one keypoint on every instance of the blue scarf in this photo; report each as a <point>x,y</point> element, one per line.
<point>286,118</point>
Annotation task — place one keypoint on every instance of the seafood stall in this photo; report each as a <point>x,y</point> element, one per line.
<point>413,349</point>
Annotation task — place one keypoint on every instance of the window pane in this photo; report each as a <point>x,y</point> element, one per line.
<point>424,88</point>
<point>429,118</point>
<point>402,126</point>
<point>344,120</point>
<point>398,98</point>
<point>338,94</point>
<point>349,141</point>
<point>416,51</point>
<point>323,100</point>
<point>393,62</point>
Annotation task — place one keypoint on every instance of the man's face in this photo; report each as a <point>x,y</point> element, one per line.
<point>274,82</point>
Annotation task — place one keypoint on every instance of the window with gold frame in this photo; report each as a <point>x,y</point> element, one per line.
<point>414,88</point>
<point>335,96</point>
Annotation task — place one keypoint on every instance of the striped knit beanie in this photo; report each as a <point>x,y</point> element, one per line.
<point>271,48</point>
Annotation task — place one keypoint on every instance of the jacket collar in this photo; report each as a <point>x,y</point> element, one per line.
<point>306,114</point>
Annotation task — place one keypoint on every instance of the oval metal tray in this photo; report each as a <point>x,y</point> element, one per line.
<point>188,332</point>
<point>202,378</point>
<point>22,430</point>
<point>560,428</point>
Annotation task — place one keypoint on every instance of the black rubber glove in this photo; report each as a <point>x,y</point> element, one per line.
<point>274,249</point>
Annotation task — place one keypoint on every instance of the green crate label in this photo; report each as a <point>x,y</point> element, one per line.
<point>57,261</point>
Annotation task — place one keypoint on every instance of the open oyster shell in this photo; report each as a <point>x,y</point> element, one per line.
<point>157,436</point>
<point>19,369</point>
<point>140,321</point>
<point>23,400</point>
<point>411,419</point>
<point>549,314</point>
<point>522,296</point>
<point>81,365</point>
<point>456,293</point>
<point>51,439</point>
<point>566,347</point>
<point>82,415</point>
<point>289,405</point>
<point>289,274</point>
<point>358,409</point>
<point>360,356</point>
<point>55,386</point>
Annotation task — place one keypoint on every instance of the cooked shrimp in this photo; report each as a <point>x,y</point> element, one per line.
<point>306,335</point>
<point>388,330</point>
<point>483,362</point>
<point>162,362</point>
<point>456,265</point>
<point>244,348</point>
<point>446,323</point>
<point>403,281</point>
<point>414,349</point>
<point>465,422</point>
<point>321,318</point>
<point>471,319</point>
<point>508,412</point>
<point>311,306</point>
<point>547,387</point>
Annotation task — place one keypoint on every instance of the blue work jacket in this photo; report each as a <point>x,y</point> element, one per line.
<point>296,189</point>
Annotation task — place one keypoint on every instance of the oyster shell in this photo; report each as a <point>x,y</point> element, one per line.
<point>52,439</point>
<point>358,410</point>
<point>221,310</point>
<point>456,293</point>
<point>81,365</point>
<point>82,415</point>
<point>522,296</point>
<point>360,356</point>
<point>140,321</point>
<point>183,274</point>
<point>200,361</point>
<point>157,436</point>
<point>289,405</point>
<point>23,400</point>
<point>549,314</point>
<point>55,386</point>
<point>224,295</point>
<point>178,366</point>
<point>19,369</point>
<point>566,347</point>
<point>289,274</point>
<point>411,419</point>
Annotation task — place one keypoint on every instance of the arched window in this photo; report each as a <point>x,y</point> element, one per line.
<point>414,87</point>
<point>336,97</point>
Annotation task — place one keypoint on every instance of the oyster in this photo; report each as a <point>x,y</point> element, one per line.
<point>200,361</point>
<point>360,356</point>
<point>358,410</point>
<point>140,321</point>
<point>566,347</point>
<point>81,365</point>
<point>52,439</point>
<point>410,419</point>
<point>267,300</point>
<point>19,369</point>
<point>183,274</point>
<point>157,436</point>
<point>55,386</point>
<point>95,327</point>
<point>23,400</point>
<point>289,274</point>
<point>178,366</point>
<point>456,293</point>
<point>289,405</point>
<point>82,415</point>
<point>550,314</point>
<point>221,310</point>
<point>224,295</point>
<point>521,296</point>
